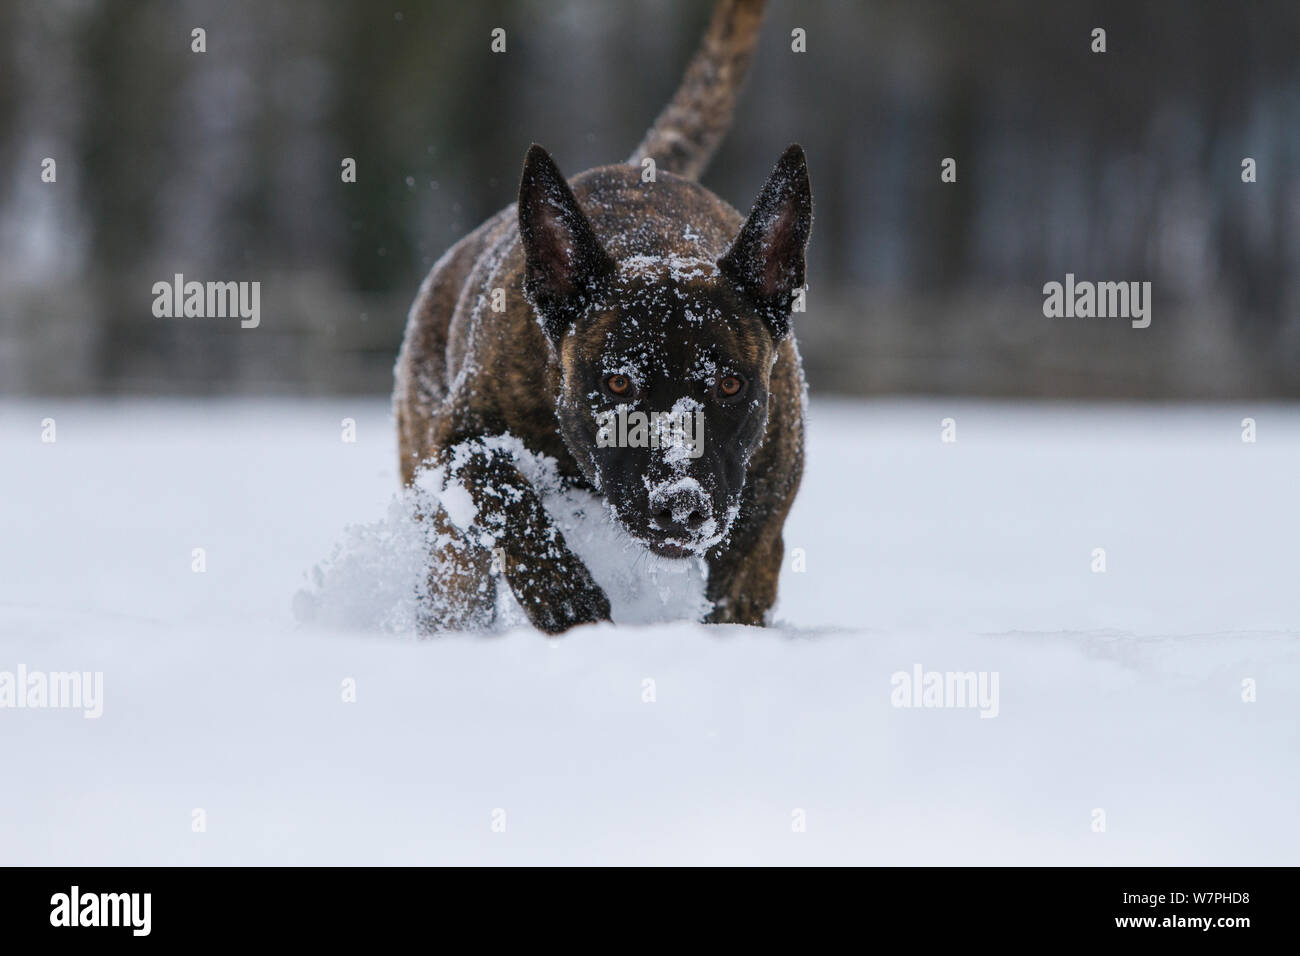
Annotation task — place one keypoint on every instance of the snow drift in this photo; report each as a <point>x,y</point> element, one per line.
<point>1147,713</point>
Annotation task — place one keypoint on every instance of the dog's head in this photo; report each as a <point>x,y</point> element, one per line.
<point>665,360</point>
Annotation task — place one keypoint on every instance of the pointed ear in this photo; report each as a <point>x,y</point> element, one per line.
<point>563,258</point>
<point>767,258</point>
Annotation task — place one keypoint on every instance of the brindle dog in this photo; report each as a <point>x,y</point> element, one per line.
<point>621,292</point>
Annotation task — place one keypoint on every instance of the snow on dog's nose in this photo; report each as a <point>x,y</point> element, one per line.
<point>680,508</point>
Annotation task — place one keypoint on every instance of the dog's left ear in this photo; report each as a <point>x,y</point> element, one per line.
<point>767,257</point>
<point>563,258</point>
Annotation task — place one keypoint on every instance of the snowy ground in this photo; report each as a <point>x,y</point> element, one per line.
<point>1119,691</point>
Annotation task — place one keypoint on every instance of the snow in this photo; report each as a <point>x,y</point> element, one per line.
<point>1119,691</point>
<point>642,587</point>
<point>460,506</point>
<point>678,268</point>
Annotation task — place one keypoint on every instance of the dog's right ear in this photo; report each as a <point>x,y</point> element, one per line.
<point>563,258</point>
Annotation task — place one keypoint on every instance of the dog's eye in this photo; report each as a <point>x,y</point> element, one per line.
<point>619,385</point>
<point>730,386</point>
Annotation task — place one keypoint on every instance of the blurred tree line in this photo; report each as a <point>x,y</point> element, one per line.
<point>225,165</point>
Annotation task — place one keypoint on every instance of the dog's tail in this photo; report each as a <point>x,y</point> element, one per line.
<point>684,137</point>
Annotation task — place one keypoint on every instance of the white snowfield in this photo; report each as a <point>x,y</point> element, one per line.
<point>1144,714</point>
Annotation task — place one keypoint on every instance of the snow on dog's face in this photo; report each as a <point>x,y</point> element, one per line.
<point>665,360</point>
<point>664,400</point>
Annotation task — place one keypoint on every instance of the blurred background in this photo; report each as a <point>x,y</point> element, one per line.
<point>1123,166</point>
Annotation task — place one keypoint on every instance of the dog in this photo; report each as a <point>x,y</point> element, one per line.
<point>629,287</point>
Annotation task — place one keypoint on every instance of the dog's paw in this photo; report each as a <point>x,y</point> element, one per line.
<point>737,612</point>
<point>558,593</point>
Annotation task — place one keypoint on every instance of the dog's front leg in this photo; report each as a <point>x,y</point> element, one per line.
<point>742,580</point>
<point>551,583</point>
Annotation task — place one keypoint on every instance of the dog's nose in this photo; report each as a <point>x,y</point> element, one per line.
<point>679,509</point>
